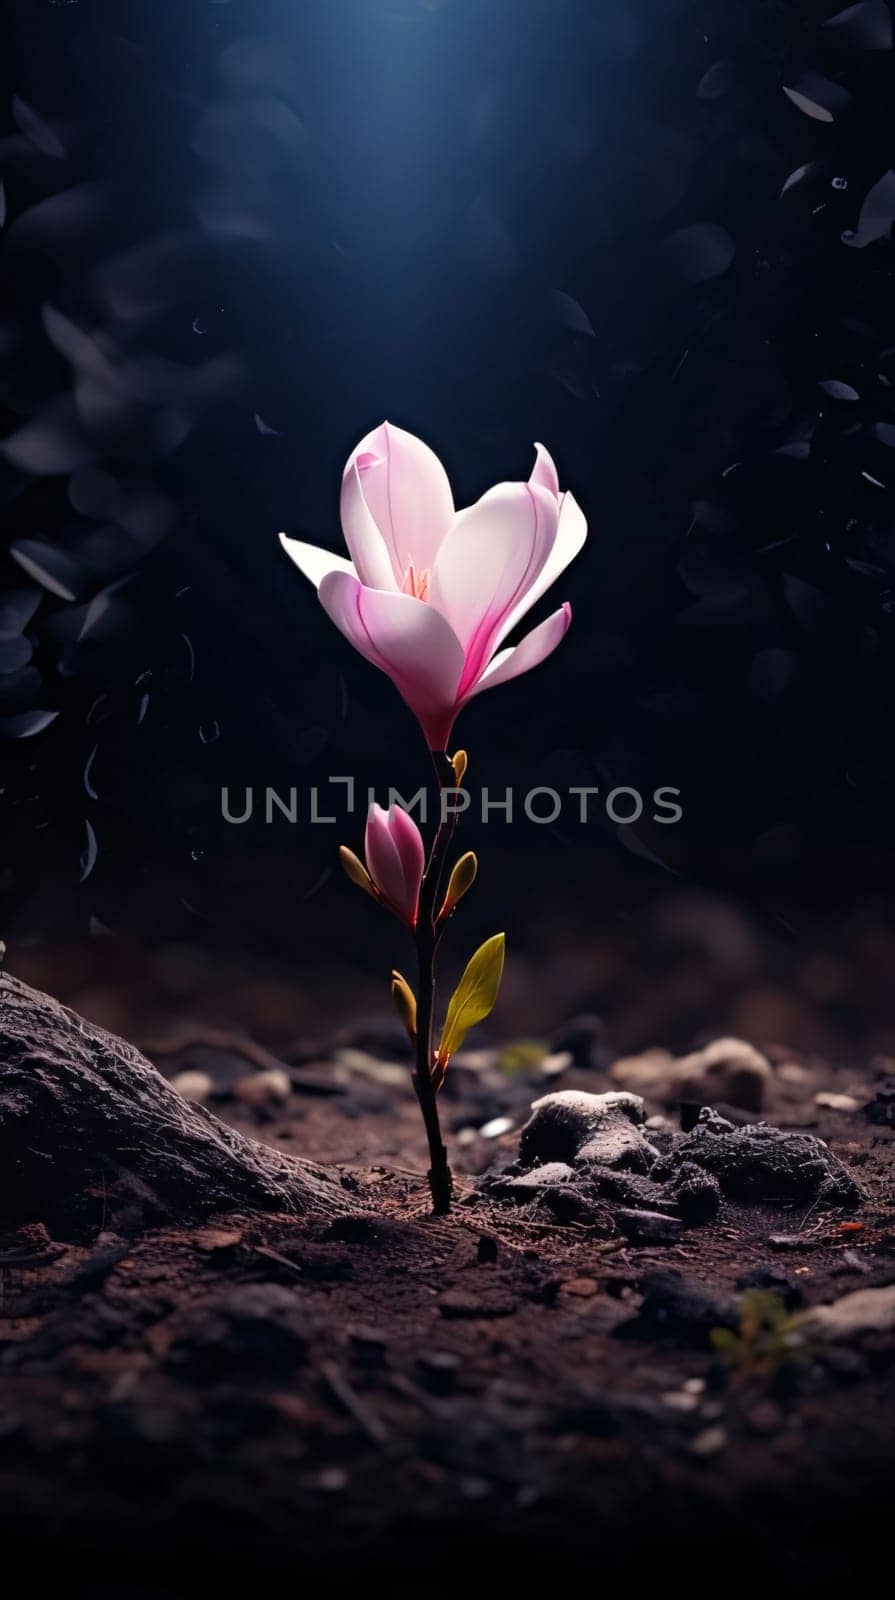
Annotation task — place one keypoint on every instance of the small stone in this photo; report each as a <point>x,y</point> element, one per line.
<point>486,1249</point>
<point>836,1102</point>
<point>195,1086</point>
<point>496,1127</point>
<point>765,1418</point>
<point>864,1311</point>
<point>571,1126</point>
<point>709,1443</point>
<point>696,1193</point>
<point>727,1070</point>
<point>787,1241</point>
<point>269,1087</point>
<point>368,1347</point>
<point>680,1307</point>
<point>530,1184</point>
<point>648,1227</point>
<point>582,1287</point>
<point>438,1372</point>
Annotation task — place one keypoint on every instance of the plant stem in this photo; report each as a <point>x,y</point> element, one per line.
<point>440,1180</point>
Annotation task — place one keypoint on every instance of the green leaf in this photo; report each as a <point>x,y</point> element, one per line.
<point>474,995</point>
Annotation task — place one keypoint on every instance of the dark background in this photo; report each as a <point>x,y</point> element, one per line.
<point>239,235</point>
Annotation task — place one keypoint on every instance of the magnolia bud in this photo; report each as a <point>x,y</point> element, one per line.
<point>405,1003</point>
<point>459,762</point>
<point>356,871</point>
<point>461,879</point>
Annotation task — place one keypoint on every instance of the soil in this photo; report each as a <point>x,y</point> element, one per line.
<point>430,1401</point>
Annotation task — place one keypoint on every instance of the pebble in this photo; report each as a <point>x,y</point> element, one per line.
<point>727,1070</point>
<point>195,1086</point>
<point>271,1086</point>
<point>861,1312</point>
<point>571,1126</point>
<point>836,1102</point>
<point>438,1372</point>
<point>709,1443</point>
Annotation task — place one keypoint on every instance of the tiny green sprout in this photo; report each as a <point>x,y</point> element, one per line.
<point>768,1337</point>
<point>521,1056</point>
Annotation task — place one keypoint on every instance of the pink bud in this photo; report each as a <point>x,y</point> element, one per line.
<point>396,859</point>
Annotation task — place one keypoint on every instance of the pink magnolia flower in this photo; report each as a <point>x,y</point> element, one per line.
<point>396,859</point>
<point>431,593</point>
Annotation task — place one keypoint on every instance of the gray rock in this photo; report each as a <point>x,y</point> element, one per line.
<point>648,1227</point>
<point>530,1184</point>
<point>577,1128</point>
<point>695,1192</point>
<point>759,1162</point>
<point>865,1311</point>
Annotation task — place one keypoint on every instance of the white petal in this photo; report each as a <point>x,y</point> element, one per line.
<point>488,564</point>
<point>530,652</point>
<point>406,492</point>
<point>312,561</point>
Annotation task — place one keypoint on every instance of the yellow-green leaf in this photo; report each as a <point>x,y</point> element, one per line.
<point>474,995</point>
<point>405,1002</point>
<point>462,878</point>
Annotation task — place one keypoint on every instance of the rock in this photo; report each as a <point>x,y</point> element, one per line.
<point>486,1251</point>
<point>675,1306</point>
<point>571,1126</point>
<point>881,1110</point>
<point>864,1311</point>
<point>759,1162</point>
<point>695,1192</point>
<point>584,1039</point>
<point>648,1227</point>
<point>627,1189</point>
<point>726,1070</point>
<point>438,1372</point>
<point>836,1102</point>
<point>195,1086</point>
<point>269,1087</point>
<point>573,1202</point>
<point>710,1442</point>
<point>259,1327</point>
<point>530,1184</point>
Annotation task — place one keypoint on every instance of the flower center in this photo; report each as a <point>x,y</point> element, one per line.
<point>415,583</point>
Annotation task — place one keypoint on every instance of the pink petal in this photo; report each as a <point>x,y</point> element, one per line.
<point>409,844</point>
<point>530,652</point>
<point>405,638</point>
<point>570,536</point>
<point>370,553</point>
<point>313,562</point>
<point>488,564</point>
<point>544,470</point>
<point>406,493</point>
<point>384,863</point>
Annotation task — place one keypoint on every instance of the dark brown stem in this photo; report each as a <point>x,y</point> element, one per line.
<point>427,937</point>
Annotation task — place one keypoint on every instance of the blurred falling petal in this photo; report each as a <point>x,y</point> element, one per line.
<point>808,604</point>
<point>716,82</point>
<point>51,568</point>
<point>36,130</point>
<point>19,688</point>
<point>698,253</point>
<point>315,888</point>
<point>93,492</point>
<point>49,444</point>
<point>866,26</point>
<point>145,279</point>
<point>569,314</point>
<point>88,784</point>
<point>191,656</point>
<point>26,724</point>
<point>143,708</point>
<point>14,653</point>
<point>82,349</point>
<point>265,428</point>
<point>837,390</point>
<point>885,432</point>
<point>877,482</point>
<point>819,98</point>
<point>798,450</point>
<point>97,929</point>
<point>91,714</point>
<point>810,169</point>
<point>17,607</point>
<point>90,852</point>
<point>61,217</point>
<point>877,213</point>
<point>210,732</point>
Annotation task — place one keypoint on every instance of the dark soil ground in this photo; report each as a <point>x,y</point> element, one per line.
<point>433,1401</point>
